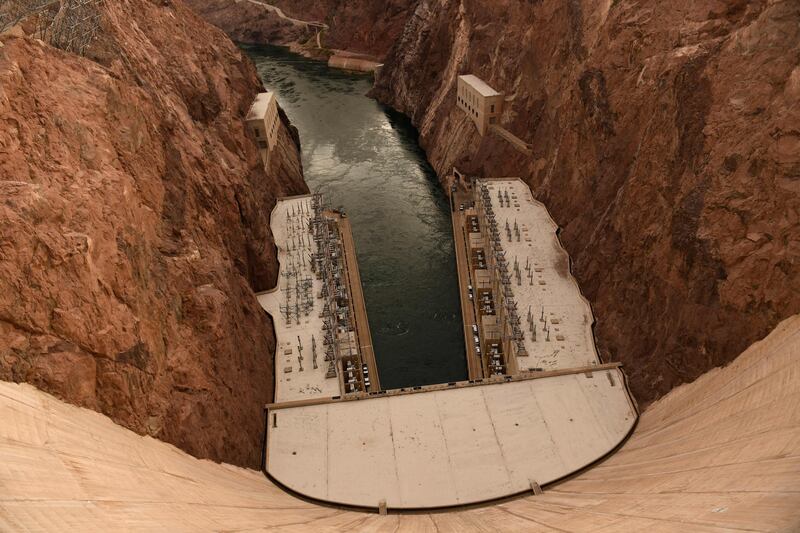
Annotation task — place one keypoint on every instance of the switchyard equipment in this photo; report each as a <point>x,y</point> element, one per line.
<point>315,302</point>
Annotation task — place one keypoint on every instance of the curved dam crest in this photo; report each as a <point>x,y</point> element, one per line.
<point>365,158</point>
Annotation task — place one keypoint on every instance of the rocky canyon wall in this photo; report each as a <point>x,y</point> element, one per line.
<point>666,143</point>
<point>134,227</point>
<point>367,27</point>
<point>251,22</point>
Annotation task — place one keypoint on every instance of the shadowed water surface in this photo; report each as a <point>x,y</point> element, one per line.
<point>366,159</point>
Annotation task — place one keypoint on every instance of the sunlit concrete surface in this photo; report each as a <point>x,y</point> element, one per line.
<point>546,288</point>
<point>720,454</point>
<point>452,446</point>
<point>556,320</point>
<point>297,306</point>
<point>290,219</point>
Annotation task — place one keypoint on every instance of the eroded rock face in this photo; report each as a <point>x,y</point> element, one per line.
<point>134,228</point>
<point>250,22</point>
<point>369,27</point>
<point>666,143</point>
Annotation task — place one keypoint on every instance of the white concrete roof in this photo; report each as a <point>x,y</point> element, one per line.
<point>452,446</point>
<point>260,106</point>
<point>568,313</point>
<point>479,85</point>
<point>287,230</point>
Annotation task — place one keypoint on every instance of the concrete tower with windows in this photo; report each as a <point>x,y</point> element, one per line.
<point>483,104</point>
<point>262,121</point>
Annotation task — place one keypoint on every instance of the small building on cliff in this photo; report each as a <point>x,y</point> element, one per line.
<point>483,104</point>
<point>262,121</point>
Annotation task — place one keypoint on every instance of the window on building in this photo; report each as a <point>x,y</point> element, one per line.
<point>492,111</point>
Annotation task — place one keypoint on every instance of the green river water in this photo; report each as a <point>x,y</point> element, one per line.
<point>365,158</point>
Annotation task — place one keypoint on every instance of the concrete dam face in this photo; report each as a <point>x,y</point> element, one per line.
<point>720,454</point>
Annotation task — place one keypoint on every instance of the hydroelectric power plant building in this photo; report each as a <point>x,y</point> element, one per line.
<point>538,406</point>
<point>483,104</point>
<point>262,121</point>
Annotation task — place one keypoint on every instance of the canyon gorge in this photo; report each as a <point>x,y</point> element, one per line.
<point>135,235</point>
<point>665,143</point>
<point>360,27</point>
<point>134,227</point>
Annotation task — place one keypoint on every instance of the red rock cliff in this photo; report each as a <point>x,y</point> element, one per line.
<point>134,228</point>
<point>666,143</point>
<point>368,27</point>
